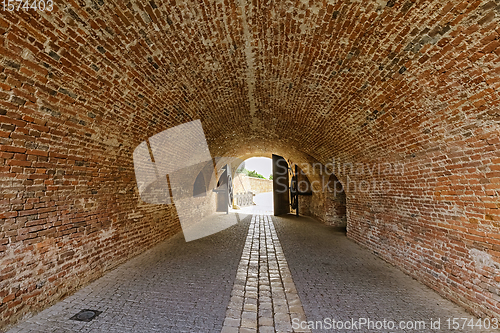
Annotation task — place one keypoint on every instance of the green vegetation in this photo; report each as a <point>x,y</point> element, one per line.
<point>253,173</point>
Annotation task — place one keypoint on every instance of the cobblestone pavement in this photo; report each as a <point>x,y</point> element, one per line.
<point>240,280</point>
<point>264,296</point>
<point>337,279</point>
<point>174,287</point>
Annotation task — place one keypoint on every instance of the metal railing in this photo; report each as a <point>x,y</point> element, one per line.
<point>244,199</point>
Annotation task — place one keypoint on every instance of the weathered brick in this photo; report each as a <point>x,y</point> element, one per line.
<point>12,149</point>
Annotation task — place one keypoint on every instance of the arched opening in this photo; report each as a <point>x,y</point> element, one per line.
<point>253,186</point>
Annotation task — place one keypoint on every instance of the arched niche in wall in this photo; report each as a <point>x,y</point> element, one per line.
<point>335,203</point>
<point>200,187</point>
<point>202,181</point>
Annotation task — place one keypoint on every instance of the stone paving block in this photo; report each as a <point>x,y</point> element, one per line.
<point>266,329</point>
<point>232,322</point>
<point>266,321</point>
<point>250,307</point>
<point>248,330</point>
<point>227,329</point>
<point>267,276</point>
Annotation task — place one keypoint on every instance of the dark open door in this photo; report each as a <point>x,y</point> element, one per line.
<point>280,186</point>
<point>224,190</point>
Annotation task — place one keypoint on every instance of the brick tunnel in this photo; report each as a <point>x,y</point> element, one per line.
<point>397,99</point>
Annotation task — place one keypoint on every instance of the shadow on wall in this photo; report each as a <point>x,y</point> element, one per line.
<point>335,204</point>
<point>328,202</point>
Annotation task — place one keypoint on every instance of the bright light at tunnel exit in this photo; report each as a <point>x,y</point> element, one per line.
<point>262,165</point>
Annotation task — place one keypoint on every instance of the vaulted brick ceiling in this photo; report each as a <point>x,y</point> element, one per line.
<point>350,79</point>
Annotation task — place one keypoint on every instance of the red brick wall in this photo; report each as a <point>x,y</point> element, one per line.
<point>438,220</point>
<point>69,211</point>
<point>435,215</point>
<point>69,207</point>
